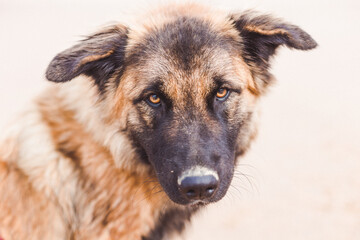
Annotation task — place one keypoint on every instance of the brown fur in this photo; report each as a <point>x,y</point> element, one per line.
<point>70,168</point>
<point>122,202</point>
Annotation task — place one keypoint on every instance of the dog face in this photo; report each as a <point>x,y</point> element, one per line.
<point>185,89</point>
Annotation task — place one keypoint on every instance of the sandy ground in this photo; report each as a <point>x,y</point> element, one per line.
<point>303,172</point>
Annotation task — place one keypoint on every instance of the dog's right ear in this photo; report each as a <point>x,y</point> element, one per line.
<point>98,56</point>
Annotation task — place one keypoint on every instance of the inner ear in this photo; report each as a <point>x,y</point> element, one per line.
<point>97,56</point>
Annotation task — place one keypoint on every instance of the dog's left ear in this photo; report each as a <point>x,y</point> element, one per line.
<point>262,35</point>
<point>97,56</point>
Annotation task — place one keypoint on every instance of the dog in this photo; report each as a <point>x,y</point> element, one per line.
<point>141,127</point>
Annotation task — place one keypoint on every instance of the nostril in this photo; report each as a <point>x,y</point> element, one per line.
<point>210,191</point>
<point>191,194</point>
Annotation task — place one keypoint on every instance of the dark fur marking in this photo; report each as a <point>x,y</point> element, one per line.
<point>69,153</point>
<point>138,148</point>
<point>173,220</point>
<point>107,211</point>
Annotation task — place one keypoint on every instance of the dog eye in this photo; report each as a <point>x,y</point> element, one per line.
<point>222,94</point>
<point>154,100</point>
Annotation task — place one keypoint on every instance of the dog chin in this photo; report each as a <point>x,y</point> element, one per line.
<point>193,203</point>
<point>198,203</point>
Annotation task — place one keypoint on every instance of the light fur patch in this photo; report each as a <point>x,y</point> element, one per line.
<point>197,171</point>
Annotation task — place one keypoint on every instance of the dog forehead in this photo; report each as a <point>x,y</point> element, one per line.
<point>184,42</point>
<point>185,55</point>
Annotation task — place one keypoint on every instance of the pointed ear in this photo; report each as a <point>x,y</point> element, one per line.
<point>263,34</point>
<point>97,56</point>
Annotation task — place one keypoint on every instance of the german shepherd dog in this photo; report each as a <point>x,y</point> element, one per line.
<point>144,126</point>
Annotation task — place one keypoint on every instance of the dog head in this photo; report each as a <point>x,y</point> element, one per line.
<point>184,87</point>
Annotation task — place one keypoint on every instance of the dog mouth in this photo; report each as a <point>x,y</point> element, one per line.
<point>198,203</point>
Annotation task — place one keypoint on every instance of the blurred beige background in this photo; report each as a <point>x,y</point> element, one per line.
<point>304,168</point>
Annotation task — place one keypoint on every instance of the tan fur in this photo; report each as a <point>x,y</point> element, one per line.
<point>86,173</point>
<point>94,58</point>
<point>92,181</point>
<point>263,31</point>
<point>68,169</point>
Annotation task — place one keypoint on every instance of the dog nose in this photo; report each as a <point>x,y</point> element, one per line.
<point>198,187</point>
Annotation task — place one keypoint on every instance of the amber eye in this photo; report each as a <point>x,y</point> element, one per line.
<point>222,94</point>
<point>154,100</point>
